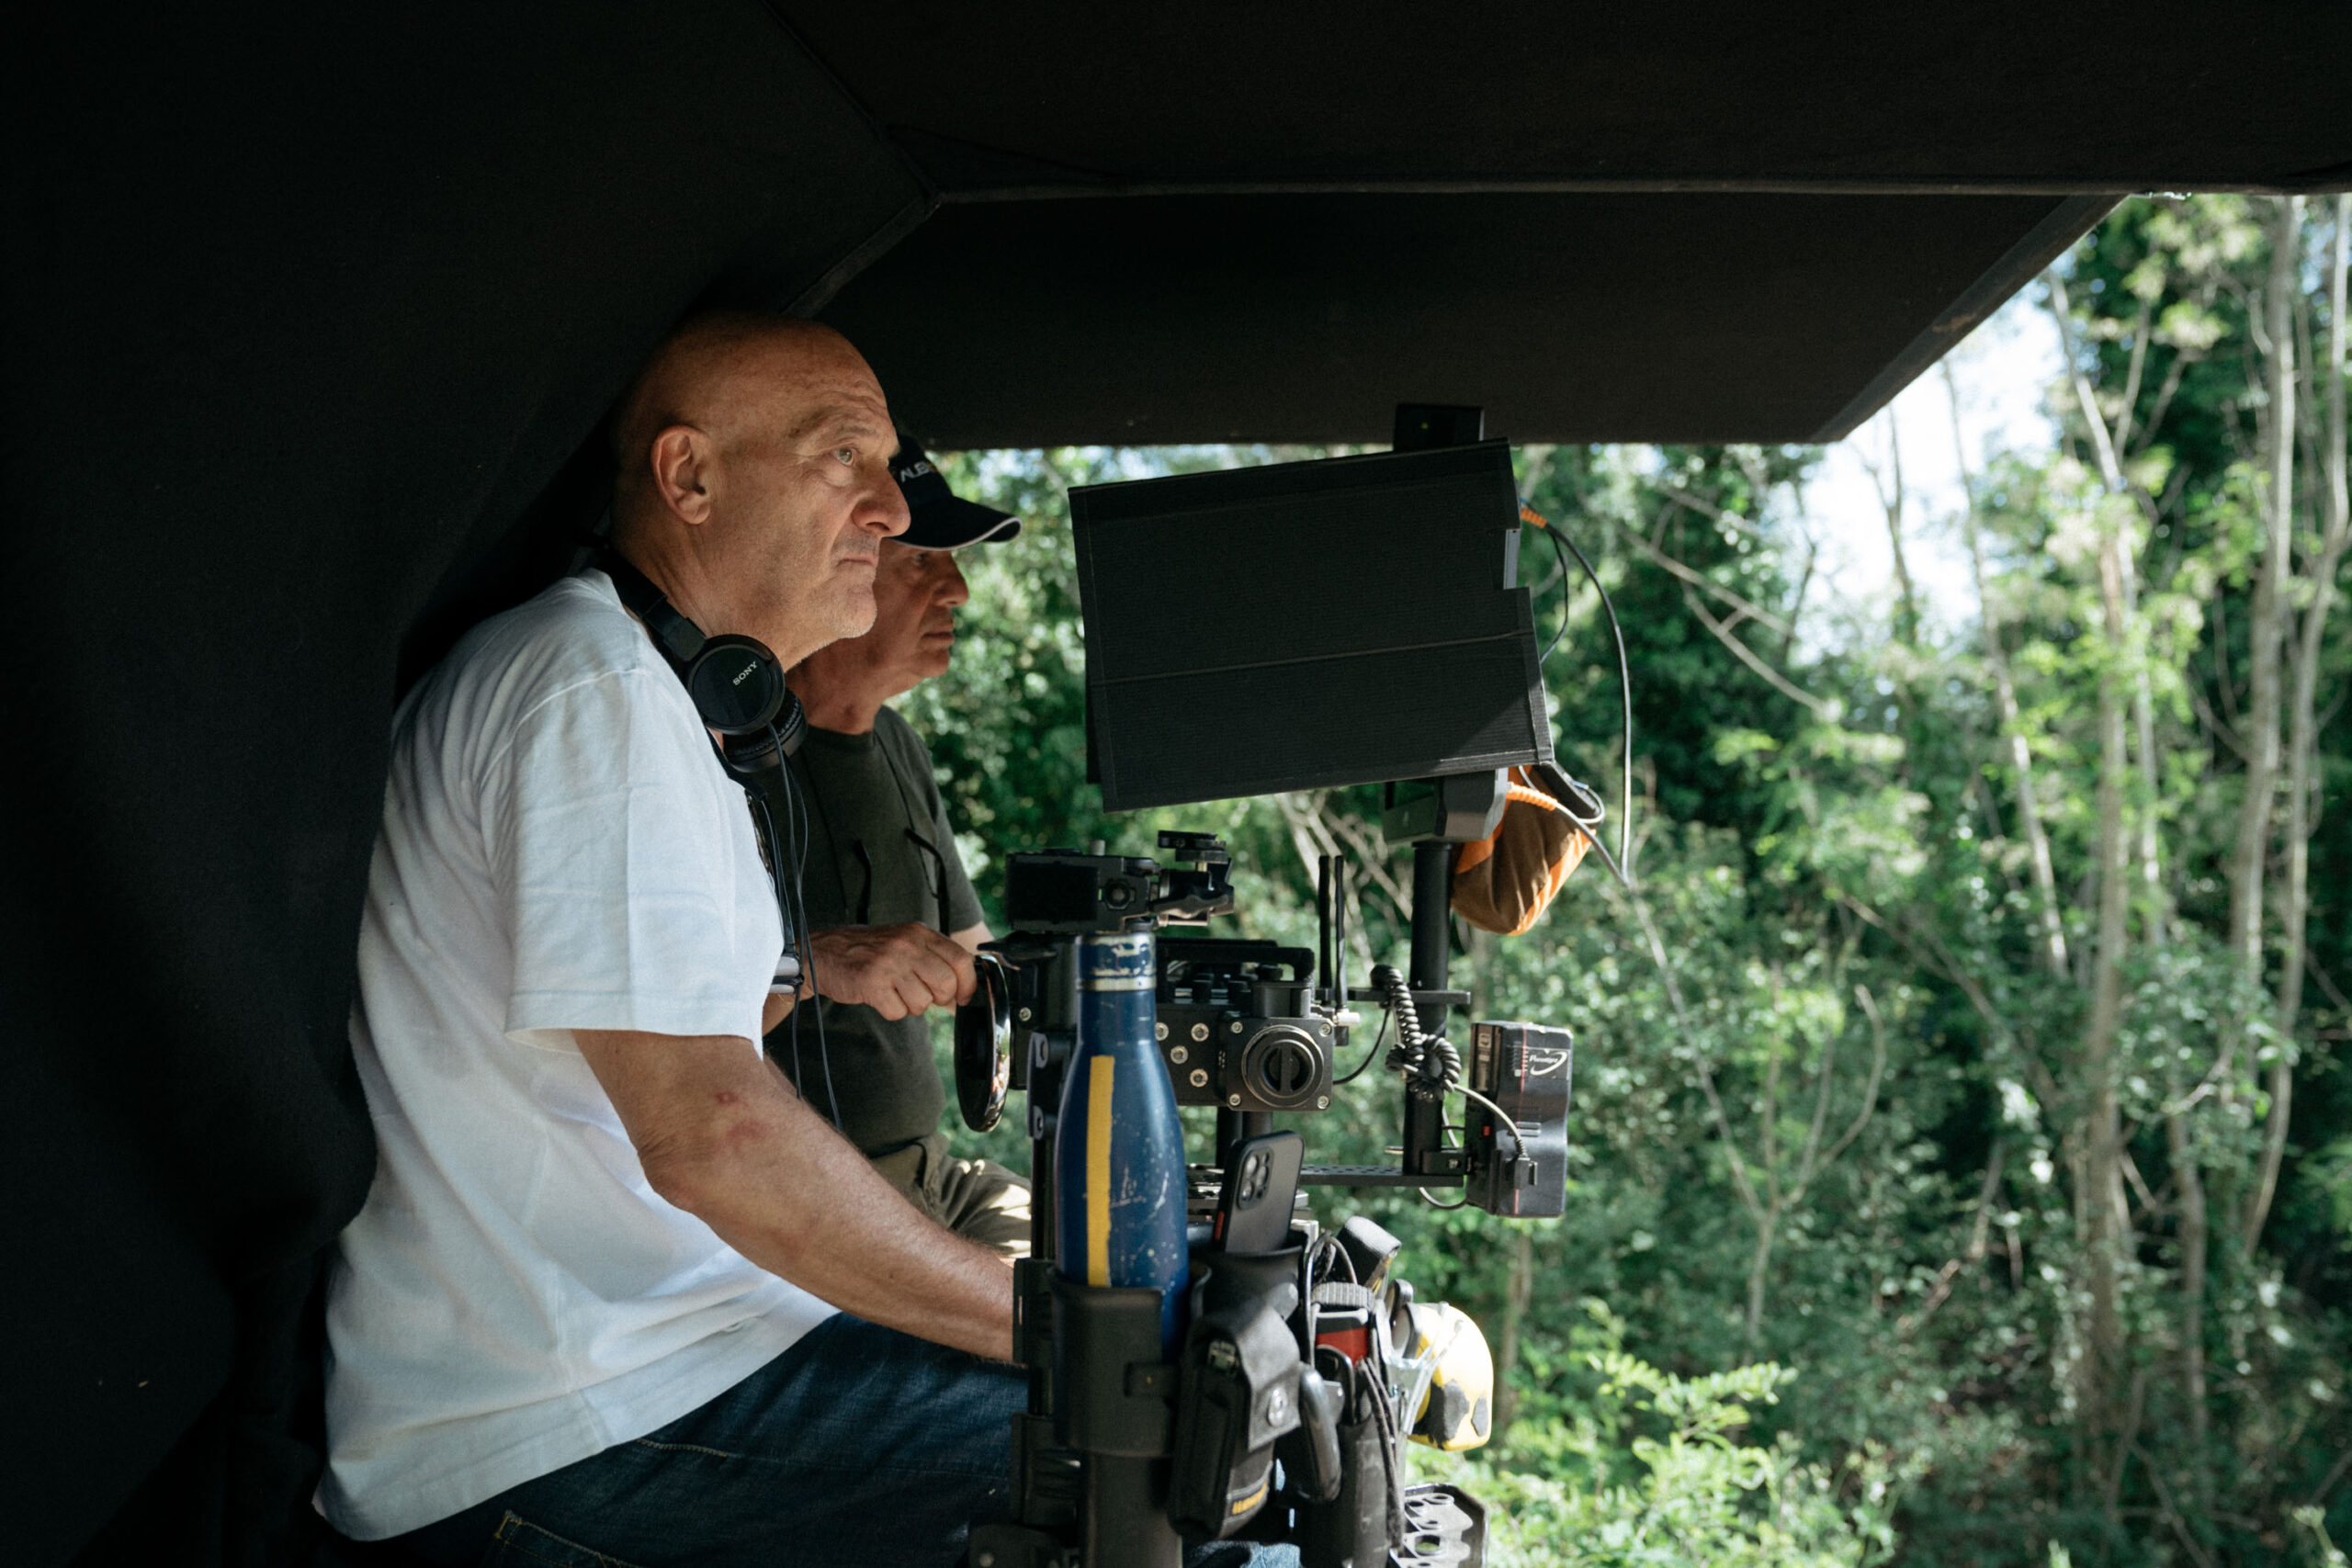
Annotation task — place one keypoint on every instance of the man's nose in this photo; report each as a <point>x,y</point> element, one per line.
<point>953,589</point>
<point>887,515</point>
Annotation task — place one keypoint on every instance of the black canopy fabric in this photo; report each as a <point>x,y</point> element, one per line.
<point>1708,223</point>
<point>1691,317</point>
<point>310,318</point>
<point>1567,95</point>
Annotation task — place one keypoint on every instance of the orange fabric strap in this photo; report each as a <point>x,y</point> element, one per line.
<point>1505,881</point>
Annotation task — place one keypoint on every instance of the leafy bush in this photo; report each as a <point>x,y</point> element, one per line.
<point>1651,1468</point>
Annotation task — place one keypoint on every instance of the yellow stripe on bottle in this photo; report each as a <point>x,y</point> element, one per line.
<point>1101,1073</point>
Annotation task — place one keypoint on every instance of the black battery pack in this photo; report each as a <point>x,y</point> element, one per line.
<point>1525,1068</point>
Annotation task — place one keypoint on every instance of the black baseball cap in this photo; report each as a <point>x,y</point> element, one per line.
<point>943,520</point>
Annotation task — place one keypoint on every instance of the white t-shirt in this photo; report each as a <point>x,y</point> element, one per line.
<point>560,851</point>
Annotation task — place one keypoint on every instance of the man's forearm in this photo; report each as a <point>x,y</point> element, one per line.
<point>803,1202</point>
<point>722,1135</point>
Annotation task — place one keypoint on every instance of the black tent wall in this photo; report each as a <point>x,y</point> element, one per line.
<point>303,313</point>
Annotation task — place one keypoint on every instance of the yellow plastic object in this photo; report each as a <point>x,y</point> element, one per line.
<point>1458,1412</point>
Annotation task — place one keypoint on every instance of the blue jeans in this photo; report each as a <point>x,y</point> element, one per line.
<point>859,1445</point>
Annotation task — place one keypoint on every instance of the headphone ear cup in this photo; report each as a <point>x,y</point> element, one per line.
<point>791,723</point>
<point>763,750</point>
<point>737,685</point>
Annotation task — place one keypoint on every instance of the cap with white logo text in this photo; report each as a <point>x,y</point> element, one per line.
<point>943,520</point>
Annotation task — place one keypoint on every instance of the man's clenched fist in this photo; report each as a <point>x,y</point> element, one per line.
<point>898,971</point>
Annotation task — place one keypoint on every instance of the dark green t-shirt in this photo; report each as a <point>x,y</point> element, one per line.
<point>879,853</point>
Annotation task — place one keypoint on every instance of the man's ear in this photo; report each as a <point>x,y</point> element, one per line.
<point>681,460</point>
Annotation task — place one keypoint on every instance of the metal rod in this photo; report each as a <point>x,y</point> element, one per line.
<point>1432,925</point>
<point>1058,1005</point>
<point>1126,1514</point>
<point>1232,1126</point>
<point>1228,1132</point>
<point>1041,1174</point>
<point>1338,972</point>
<point>1432,956</point>
<point>1323,970</point>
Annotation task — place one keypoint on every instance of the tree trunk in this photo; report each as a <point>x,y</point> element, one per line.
<point>2261,728</point>
<point>2100,1201</point>
<point>2302,741</point>
<point>2052,946</point>
<point>1521,1286</point>
<point>2195,1233</point>
<point>2102,1214</point>
<point>2107,447</point>
<point>2258,726</point>
<point>1759,1261</point>
<point>1768,1222</point>
<point>1891,501</point>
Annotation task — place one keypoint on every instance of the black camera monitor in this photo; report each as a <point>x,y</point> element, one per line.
<point>1354,620</point>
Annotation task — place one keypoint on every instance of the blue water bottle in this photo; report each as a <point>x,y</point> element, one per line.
<point>1119,1166</point>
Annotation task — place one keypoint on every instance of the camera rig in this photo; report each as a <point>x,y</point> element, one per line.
<point>1184,1384</point>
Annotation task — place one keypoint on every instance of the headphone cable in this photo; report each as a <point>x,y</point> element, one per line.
<point>1623,863</point>
<point>802,832</point>
<point>792,926</point>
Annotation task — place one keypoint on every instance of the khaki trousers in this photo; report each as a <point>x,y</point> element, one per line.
<point>977,1199</point>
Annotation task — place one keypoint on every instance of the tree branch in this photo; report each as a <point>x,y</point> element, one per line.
<point>1658,557</point>
<point>1941,961</point>
<point>1974,1253</point>
<point>1821,707</point>
<point>1823,1081</point>
<point>1878,1070</point>
<point>1740,1181</point>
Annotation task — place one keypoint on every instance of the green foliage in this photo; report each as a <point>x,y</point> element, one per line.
<point>1833,1105</point>
<point>1651,1468</point>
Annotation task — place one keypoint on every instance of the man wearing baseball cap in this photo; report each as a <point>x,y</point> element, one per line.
<point>882,862</point>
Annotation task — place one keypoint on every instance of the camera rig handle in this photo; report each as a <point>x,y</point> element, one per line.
<point>1197,890</point>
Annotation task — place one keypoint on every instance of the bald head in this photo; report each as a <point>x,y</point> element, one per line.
<point>733,375</point>
<point>751,478</point>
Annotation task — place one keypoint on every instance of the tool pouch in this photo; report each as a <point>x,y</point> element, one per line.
<point>1236,1392</point>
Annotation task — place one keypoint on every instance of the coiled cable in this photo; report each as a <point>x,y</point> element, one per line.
<point>1432,1066</point>
<point>1429,1063</point>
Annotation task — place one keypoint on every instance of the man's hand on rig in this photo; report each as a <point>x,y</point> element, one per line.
<point>898,971</point>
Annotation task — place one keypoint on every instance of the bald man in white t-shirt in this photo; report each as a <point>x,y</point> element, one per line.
<point>616,1293</point>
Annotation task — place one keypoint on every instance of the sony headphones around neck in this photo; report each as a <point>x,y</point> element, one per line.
<point>737,685</point>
